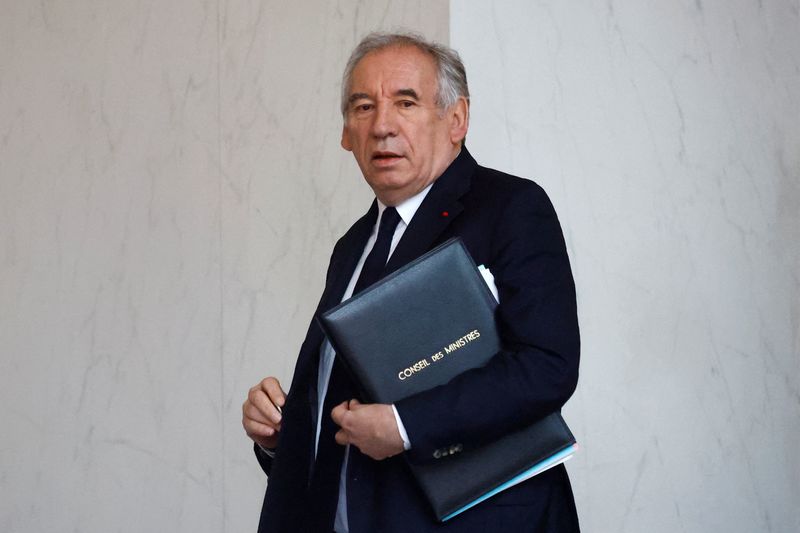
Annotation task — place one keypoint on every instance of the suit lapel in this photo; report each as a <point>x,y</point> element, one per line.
<point>344,263</point>
<point>441,206</point>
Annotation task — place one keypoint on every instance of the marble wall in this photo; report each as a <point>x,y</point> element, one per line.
<point>171,185</point>
<point>668,136</point>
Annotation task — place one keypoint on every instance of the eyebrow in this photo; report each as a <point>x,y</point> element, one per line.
<point>408,92</point>
<point>357,96</point>
<point>400,92</point>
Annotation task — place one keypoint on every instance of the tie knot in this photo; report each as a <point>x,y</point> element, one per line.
<point>389,220</point>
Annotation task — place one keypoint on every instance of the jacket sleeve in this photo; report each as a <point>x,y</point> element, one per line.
<point>537,369</point>
<point>300,378</point>
<point>264,459</point>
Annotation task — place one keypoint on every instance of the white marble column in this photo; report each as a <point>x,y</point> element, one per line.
<point>668,136</point>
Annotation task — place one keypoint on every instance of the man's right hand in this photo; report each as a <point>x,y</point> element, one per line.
<point>261,412</point>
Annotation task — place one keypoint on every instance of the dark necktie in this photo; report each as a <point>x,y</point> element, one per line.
<point>325,485</point>
<point>373,267</point>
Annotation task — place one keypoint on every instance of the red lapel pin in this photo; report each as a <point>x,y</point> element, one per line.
<point>445,214</point>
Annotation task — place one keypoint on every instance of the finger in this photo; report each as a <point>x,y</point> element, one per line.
<point>259,399</point>
<point>253,428</point>
<point>250,412</point>
<point>342,437</point>
<point>355,404</point>
<point>272,388</point>
<point>338,413</point>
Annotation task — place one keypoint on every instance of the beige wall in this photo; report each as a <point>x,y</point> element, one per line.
<point>171,185</point>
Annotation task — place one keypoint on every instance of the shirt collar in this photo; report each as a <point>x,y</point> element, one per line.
<point>407,208</point>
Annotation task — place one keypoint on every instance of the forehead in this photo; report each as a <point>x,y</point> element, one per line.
<point>394,68</point>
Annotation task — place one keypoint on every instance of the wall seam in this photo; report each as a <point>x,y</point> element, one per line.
<point>220,247</point>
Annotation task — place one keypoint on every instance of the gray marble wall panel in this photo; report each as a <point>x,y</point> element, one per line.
<point>170,188</point>
<point>109,268</point>
<point>668,136</point>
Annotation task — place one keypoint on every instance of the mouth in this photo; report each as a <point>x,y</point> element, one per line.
<point>384,158</point>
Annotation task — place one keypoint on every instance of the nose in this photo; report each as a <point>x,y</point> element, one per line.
<point>384,122</point>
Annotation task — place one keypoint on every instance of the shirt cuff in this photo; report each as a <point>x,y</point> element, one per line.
<point>271,453</point>
<point>402,429</point>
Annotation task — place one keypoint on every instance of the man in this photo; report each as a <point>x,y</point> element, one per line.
<point>336,464</point>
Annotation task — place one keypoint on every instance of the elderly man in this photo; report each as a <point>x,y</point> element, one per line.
<point>336,464</point>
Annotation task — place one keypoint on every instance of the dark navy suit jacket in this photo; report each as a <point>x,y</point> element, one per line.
<point>509,225</point>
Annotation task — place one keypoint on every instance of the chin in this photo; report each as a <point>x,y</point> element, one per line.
<point>388,181</point>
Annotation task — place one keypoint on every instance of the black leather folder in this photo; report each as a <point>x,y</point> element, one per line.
<point>418,328</point>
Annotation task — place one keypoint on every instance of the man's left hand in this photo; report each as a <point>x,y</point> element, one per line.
<point>371,428</point>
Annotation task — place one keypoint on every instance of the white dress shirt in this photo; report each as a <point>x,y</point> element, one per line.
<point>406,210</point>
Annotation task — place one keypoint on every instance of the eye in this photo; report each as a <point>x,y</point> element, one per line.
<point>363,107</point>
<point>407,103</point>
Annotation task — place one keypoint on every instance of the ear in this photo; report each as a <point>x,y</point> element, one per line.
<point>346,144</point>
<point>459,120</point>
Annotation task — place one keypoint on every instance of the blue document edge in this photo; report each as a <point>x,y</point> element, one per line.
<point>538,468</point>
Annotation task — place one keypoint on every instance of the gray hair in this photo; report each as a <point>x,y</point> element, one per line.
<point>451,76</point>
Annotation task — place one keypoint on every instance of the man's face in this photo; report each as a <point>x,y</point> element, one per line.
<point>401,140</point>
